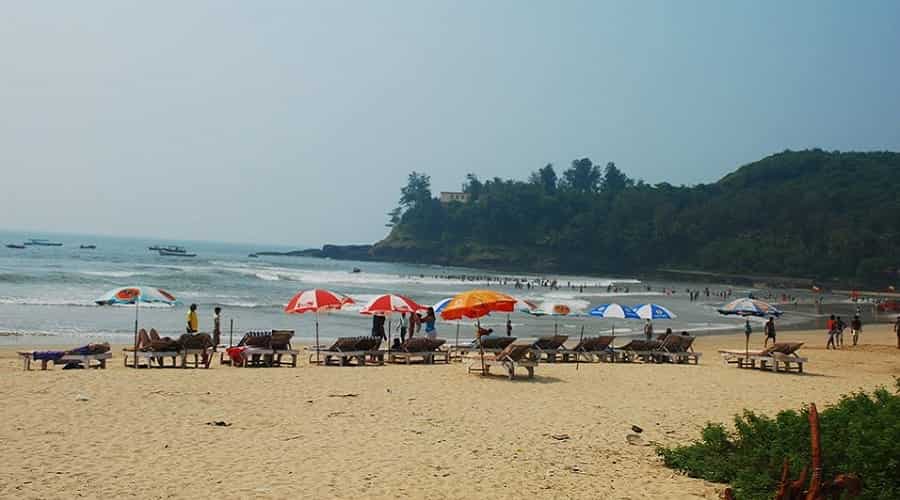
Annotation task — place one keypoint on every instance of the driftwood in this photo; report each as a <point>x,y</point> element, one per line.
<point>819,489</point>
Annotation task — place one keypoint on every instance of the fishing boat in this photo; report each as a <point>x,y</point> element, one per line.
<point>88,247</point>
<point>253,256</point>
<point>16,246</point>
<point>175,252</point>
<point>41,242</point>
<point>154,248</point>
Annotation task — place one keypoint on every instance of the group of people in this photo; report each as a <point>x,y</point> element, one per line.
<point>836,326</point>
<point>193,323</point>
<point>410,326</point>
<point>768,330</point>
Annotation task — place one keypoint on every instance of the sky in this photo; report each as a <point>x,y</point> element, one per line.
<point>298,122</point>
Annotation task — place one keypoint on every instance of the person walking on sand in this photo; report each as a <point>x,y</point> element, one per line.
<point>855,328</point>
<point>832,336</point>
<point>648,330</point>
<point>508,327</point>
<point>193,323</point>
<point>770,332</point>
<point>217,327</point>
<point>402,327</point>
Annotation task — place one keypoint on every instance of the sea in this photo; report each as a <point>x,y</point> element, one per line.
<point>47,294</point>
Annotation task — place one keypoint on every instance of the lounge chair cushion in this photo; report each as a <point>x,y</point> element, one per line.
<point>281,339</point>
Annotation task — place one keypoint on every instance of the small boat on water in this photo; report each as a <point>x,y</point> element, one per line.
<point>356,270</point>
<point>88,247</point>
<point>253,256</point>
<point>154,248</point>
<point>41,242</point>
<point>16,246</point>
<point>175,252</point>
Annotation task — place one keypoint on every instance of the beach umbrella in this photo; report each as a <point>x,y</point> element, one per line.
<point>613,310</point>
<point>475,304</point>
<point>135,295</point>
<point>389,303</point>
<point>316,300</point>
<point>653,311</point>
<point>749,307</point>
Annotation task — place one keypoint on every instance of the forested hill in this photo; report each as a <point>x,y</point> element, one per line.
<point>816,214</point>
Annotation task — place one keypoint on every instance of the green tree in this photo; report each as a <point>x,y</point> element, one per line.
<point>417,190</point>
<point>582,177</point>
<point>545,178</point>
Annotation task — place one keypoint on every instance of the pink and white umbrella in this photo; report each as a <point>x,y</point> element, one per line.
<point>316,300</point>
<point>390,303</point>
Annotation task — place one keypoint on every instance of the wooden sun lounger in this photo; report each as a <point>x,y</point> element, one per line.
<point>511,358</point>
<point>84,359</point>
<point>589,349</point>
<point>637,349</point>
<point>148,357</point>
<point>677,349</point>
<point>423,348</point>
<point>491,345</point>
<point>347,350</point>
<point>549,348</point>
<point>781,354</point>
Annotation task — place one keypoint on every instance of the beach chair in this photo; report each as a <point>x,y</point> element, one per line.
<point>419,347</point>
<point>677,349</point>
<point>81,356</point>
<point>281,346</point>
<point>637,349</point>
<point>780,354</point>
<point>151,348</point>
<point>548,348</point>
<point>589,349</point>
<point>347,350</point>
<point>198,347</point>
<point>491,344</point>
<point>254,349</point>
<point>512,357</point>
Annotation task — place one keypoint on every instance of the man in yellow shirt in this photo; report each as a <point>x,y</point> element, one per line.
<point>193,323</point>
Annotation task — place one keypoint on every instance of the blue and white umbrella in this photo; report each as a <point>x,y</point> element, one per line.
<point>614,310</point>
<point>750,307</point>
<point>653,311</point>
<point>440,305</point>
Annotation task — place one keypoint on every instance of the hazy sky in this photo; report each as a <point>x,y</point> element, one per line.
<point>297,122</point>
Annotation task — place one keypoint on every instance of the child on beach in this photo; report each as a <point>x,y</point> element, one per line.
<point>217,327</point>
<point>832,336</point>
<point>840,326</point>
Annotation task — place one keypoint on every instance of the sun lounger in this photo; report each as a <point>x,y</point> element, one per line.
<point>677,349</point>
<point>152,348</point>
<point>589,349</point>
<point>637,349</point>
<point>347,350</point>
<point>81,356</point>
<point>491,344</point>
<point>281,346</point>
<point>419,347</point>
<point>199,347</point>
<point>548,348</point>
<point>512,357</point>
<point>781,354</point>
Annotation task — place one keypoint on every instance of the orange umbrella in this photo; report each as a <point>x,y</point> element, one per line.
<point>477,303</point>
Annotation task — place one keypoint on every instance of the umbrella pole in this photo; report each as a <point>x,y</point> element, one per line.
<point>480,348</point>
<point>389,335</point>
<point>457,333</point>
<point>317,337</point>
<point>580,340</point>
<point>137,307</point>
<point>231,334</point>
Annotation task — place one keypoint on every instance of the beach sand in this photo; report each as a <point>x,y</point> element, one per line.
<point>395,431</point>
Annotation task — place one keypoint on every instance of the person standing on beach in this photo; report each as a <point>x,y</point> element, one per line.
<point>648,330</point>
<point>430,330</point>
<point>193,323</point>
<point>832,336</point>
<point>378,326</point>
<point>414,322</point>
<point>508,327</point>
<point>402,327</point>
<point>770,332</point>
<point>897,331</point>
<point>217,326</point>
<point>839,330</point>
<point>855,328</point>
<point>747,330</point>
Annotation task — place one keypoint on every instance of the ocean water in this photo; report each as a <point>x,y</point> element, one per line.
<point>47,293</point>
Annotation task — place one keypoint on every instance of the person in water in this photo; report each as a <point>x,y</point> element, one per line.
<point>193,323</point>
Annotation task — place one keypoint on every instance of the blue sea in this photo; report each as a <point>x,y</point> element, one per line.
<point>47,293</point>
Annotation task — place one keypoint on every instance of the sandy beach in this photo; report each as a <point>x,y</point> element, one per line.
<point>394,431</point>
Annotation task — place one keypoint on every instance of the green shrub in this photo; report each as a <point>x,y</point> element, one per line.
<point>860,434</point>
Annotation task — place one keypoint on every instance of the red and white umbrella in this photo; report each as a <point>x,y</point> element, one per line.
<point>316,300</point>
<point>390,303</point>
